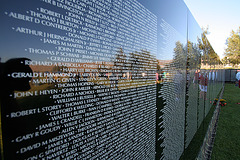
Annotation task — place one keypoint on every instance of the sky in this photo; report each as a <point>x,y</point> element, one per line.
<point>221,16</point>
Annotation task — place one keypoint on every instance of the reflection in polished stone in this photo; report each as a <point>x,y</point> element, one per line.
<point>105,79</point>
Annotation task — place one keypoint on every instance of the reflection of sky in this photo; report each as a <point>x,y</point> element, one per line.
<point>167,40</point>
<point>194,30</point>
<point>174,15</point>
<point>14,44</point>
<point>135,31</point>
<point>147,19</point>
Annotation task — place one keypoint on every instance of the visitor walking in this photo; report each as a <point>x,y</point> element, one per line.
<point>238,78</point>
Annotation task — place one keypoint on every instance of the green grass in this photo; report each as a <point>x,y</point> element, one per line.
<point>227,142</point>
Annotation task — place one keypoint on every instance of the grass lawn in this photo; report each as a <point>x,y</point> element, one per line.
<point>227,142</point>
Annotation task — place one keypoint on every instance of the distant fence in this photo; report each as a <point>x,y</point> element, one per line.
<point>230,75</point>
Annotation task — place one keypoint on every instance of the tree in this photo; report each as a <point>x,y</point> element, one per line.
<point>233,47</point>
<point>225,60</point>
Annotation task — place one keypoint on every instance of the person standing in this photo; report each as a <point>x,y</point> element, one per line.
<point>238,78</point>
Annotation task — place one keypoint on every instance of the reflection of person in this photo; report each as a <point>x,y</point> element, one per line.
<point>18,83</point>
<point>10,83</point>
<point>238,78</point>
<point>178,81</point>
<point>13,78</point>
<point>113,80</point>
<point>203,85</point>
<point>196,77</point>
<point>213,75</point>
<point>159,77</point>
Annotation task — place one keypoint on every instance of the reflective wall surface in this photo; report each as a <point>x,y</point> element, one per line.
<point>103,79</point>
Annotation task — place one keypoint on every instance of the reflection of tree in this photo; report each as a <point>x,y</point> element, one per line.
<point>120,63</point>
<point>179,59</point>
<point>150,63</point>
<point>127,70</point>
<point>135,65</point>
<point>209,56</point>
<point>189,55</point>
<point>56,69</point>
<point>193,56</point>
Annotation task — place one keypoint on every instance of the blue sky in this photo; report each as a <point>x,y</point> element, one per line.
<point>222,16</point>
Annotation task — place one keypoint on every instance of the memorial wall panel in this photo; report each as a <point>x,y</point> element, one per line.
<point>193,86</point>
<point>171,77</point>
<point>80,76</point>
<point>101,79</point>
